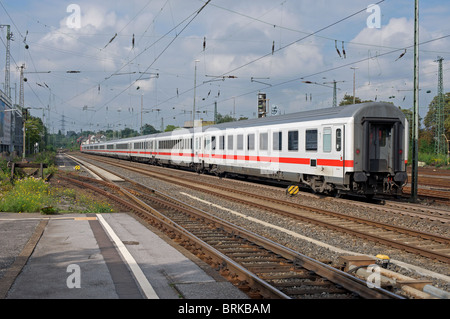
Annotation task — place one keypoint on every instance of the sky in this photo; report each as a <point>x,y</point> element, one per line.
<point>98,65</point>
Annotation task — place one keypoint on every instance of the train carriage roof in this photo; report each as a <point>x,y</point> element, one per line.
<point>356,111</point>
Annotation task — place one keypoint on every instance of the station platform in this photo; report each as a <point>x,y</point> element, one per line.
<point>107,256</point>
<point>68,163</point>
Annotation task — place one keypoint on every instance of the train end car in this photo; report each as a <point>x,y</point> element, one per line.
<point>380,149</point>
<point>356,149</point>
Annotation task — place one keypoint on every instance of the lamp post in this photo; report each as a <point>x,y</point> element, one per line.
<point>354,83</point>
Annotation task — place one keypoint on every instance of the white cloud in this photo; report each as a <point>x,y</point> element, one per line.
<point>235,45</point>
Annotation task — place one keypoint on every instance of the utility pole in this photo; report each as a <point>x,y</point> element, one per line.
<point>415,151</point>
<point>195,93</point>
<point>215,112</point>
<point>142,111</point>
<point>335,91</point>
<point>22,108</point>
<point>8,60</point>
<point>22,80</point>
<point>63,125</point>
<point>440,116</point>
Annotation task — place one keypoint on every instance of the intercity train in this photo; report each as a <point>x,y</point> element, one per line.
<point>355,149</point>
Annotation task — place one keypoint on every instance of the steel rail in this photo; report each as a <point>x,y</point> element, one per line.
<point>346,280</point>
<point>275,205</point>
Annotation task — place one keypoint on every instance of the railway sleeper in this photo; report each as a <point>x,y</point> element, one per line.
<point>259,269</point>
<point>298,282</point>
<point>246,259</point>
<point>314,291</point>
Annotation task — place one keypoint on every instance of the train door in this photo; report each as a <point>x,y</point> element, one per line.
<point>198,149</point>
<point>380,147</point>
<point>338,146</point>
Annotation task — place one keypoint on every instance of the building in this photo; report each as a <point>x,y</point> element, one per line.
<point>11,126</point>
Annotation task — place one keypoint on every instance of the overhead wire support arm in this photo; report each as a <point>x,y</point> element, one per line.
<point>152,76</point>
<point>253,80</point>
<point>219,78</point>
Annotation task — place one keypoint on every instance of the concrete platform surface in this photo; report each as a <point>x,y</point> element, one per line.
<point>108,256</point>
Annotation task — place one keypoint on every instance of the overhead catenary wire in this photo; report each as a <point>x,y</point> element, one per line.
<point>192,16</point>
<point>212,40</point>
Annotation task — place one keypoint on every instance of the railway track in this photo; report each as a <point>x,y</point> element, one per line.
<point>424,244</point>
<point>430,194</point>
<point>258,266</point>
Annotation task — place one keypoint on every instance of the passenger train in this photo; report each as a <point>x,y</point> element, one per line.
<point>355,149</point>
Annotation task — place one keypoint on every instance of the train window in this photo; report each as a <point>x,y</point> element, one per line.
<point>251,142</point>
<point>263,141</point>
<point>277,141</point>
<point>383,134</point>
<point>122,146</point>
<point>338,140</point>
<point>230,142</point>
<point>110,147</point>
<point>221,143</point>
<point>213,143</point>
<point>311,140</point>
<point>240,142</point>
<point>207,143</point>
<point>293,141</point>
<point>327,139</point>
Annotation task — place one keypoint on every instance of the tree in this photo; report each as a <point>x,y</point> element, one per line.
<point>224,119</point>
<point>128,132</point>
<point>430,119</point>
<point>348,100</point>
<point>147,129</point>
<point>35,133</point>
<point>171,128</point>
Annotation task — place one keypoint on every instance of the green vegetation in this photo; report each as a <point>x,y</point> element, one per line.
<point>27,195</point>
<point>32,195</point>
<point>430,159</point>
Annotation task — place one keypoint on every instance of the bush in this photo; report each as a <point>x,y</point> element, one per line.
<point>27,195</point>
<point>437,160</point>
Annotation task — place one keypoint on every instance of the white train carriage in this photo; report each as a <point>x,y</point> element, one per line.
<point>352,149</point>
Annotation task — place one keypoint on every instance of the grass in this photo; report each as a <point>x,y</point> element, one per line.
<point>33,195</point>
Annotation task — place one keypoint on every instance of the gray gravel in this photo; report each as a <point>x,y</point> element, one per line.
<point>335,239</point>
